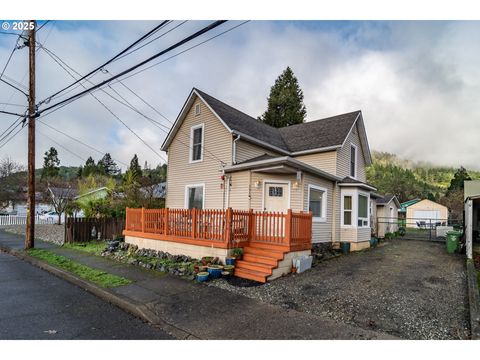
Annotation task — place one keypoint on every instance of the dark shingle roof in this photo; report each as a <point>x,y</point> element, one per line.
<point>237,120</point>
<point>385,200</point>
<point>349,180</point>
<point>321,133</point>
<point>316,134</point>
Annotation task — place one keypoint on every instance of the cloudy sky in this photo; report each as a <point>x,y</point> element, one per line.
<point>417,83</point>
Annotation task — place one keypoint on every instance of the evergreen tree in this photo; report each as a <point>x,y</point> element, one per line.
<point>90,168</point>
<point>51,164</point>
<point>135,167</point>
<point>108,166</point>
<point>458,178</point>
<point>285,103</point>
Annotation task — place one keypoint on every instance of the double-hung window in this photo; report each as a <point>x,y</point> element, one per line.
<point>347,210</point>
<point>194,196</point>
<point>317,203</point>
<point>196,143</point>
<point>362,219</point>
<point>353,161</point>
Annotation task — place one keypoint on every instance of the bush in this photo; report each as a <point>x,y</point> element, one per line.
<point>402,231</point>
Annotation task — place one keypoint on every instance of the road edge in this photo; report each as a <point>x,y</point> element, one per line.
<point>473,300</point>
<point>135,309</point>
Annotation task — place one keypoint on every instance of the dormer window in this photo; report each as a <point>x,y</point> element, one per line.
<point>196,143</point>
<point>353,161</point>
<point>197,109</point>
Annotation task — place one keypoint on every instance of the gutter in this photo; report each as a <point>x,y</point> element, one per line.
<point>234,151</point>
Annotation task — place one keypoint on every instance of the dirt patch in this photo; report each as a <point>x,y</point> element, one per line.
<point>410,289</point>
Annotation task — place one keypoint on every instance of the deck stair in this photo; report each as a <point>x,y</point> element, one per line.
<point>259,261</point>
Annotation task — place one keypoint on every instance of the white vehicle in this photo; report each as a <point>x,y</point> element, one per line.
<point>51,217</point>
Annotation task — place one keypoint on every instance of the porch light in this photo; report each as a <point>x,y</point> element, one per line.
<point>295,184</point>
<point>257,184</point>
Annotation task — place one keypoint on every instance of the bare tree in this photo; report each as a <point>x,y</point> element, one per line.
<point>11,180</point>
<point>60,198</point>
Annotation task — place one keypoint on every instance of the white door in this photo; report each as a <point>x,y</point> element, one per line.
<point>276,197</point>
<point>425,218</point>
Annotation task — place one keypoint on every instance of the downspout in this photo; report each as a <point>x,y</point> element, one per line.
<point>234,152</point>
<point>334,212</point>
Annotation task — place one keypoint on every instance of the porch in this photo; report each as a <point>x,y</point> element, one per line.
<point>269,239</point>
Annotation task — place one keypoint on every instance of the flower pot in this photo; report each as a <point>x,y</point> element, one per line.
<point>206,260</point>
<point>294,270</point>
<point>226,274</point>
<point>215,271</point>
<point>229,268</point>
<point>230,261</point>
<point>196,268</point>
<point>202,276</point>
<point>203,268</point>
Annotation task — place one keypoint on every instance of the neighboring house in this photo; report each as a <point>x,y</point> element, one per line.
<point>472,213</point>
<point>59,198</point>
<point>386,215</point>
<point>92,195</point>
<point>155,191</point>
<point>222,158</point>
<point>424,213</point>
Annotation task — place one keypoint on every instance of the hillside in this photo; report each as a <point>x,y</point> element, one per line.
<point>408,179</point>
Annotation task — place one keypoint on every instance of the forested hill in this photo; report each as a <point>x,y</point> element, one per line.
<point>407,179</point>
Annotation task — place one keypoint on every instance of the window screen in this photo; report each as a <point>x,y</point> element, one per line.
<point>195,197</point>
<point>315,204</point>
<point>197,144</point>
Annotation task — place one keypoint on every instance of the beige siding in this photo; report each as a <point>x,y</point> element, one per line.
<point>321,231</point>
<point>425,205</point>
<point>217,140</point>
<point>326,161</point>
<point>343,156</point>
<point>296,194</point>
<point>386,223</point>
<point>246,151</point>
<point>355,234</point>
<point>239,196</point>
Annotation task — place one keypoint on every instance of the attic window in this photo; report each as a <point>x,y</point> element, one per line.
<point>197,109</point>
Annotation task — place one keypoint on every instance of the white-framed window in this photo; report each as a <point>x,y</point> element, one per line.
<point>197,109</point>
<point>317,203</point>
<point>362,212</point>
<point>353,161</point>
<point>355,208</point>
<point>196,142</point>
<point>195,196</point>
<point>347,210</point>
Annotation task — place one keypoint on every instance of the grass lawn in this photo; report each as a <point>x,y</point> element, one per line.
<point>91,247</point>
<point>87,273</point>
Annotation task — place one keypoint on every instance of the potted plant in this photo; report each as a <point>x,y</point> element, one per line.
<point>202,276</point>
<point>237,253</point>
<point>229,268</point>
<point>230,260</point>
<point>203,268</point>
<point>206,260</point>
<point>226,274</point>
<point>215,271</point>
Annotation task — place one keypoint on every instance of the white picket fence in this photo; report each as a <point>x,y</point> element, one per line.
<point>21,220</point>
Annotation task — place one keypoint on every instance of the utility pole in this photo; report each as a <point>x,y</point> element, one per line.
<point>30,231</point>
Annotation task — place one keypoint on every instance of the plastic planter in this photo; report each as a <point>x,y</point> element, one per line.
<point>229,268</point>
<point>373,242</point>
<point>202,276</point>
<point>230,261</point>
<point>345,247</point>
<point>215,271</point>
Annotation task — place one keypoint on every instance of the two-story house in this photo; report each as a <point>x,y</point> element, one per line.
<point>271,191</point>
<point>220,157</point>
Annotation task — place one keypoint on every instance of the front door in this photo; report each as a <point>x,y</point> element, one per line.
<point>276,197</point>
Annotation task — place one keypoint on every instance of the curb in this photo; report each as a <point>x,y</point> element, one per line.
<point>474,300</point>
<point>135,309</point>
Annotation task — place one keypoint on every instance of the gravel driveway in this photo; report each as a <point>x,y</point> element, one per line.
<point>410,289</point>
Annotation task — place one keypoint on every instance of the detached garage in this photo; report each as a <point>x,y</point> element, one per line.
<point>424,212</point>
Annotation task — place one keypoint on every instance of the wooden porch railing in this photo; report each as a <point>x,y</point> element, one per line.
<point>222,228</point>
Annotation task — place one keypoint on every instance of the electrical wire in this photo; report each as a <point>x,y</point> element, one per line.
<point>63,147</point>
<point>155,29</point>
<point>185,40</point>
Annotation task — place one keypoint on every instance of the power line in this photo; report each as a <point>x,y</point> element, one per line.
<point>185,40</point>
<point>184,51</point>
<point>6,65</point>
<point>155,29</point>
<point>80,142</point>
<point>110,111</point>
<point>63,147</point>
<point>41,26</point>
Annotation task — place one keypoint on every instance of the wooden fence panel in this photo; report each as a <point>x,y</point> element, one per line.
<point>80,229</point>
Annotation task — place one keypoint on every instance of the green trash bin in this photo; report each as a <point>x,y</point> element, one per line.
<point>453,241</point>
<point>345,247</point>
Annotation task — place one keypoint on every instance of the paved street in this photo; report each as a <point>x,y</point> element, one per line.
<point>37,305</point>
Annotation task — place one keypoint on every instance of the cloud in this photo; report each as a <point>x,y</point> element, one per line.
<point>416,82</point>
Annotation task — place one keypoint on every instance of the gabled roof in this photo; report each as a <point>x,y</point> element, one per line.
<point>404,205</point>
<point>385,200</point>
<point>62,193</point>
<point>103,188</point>
<point>351,182</point>
<point>313,136</point>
